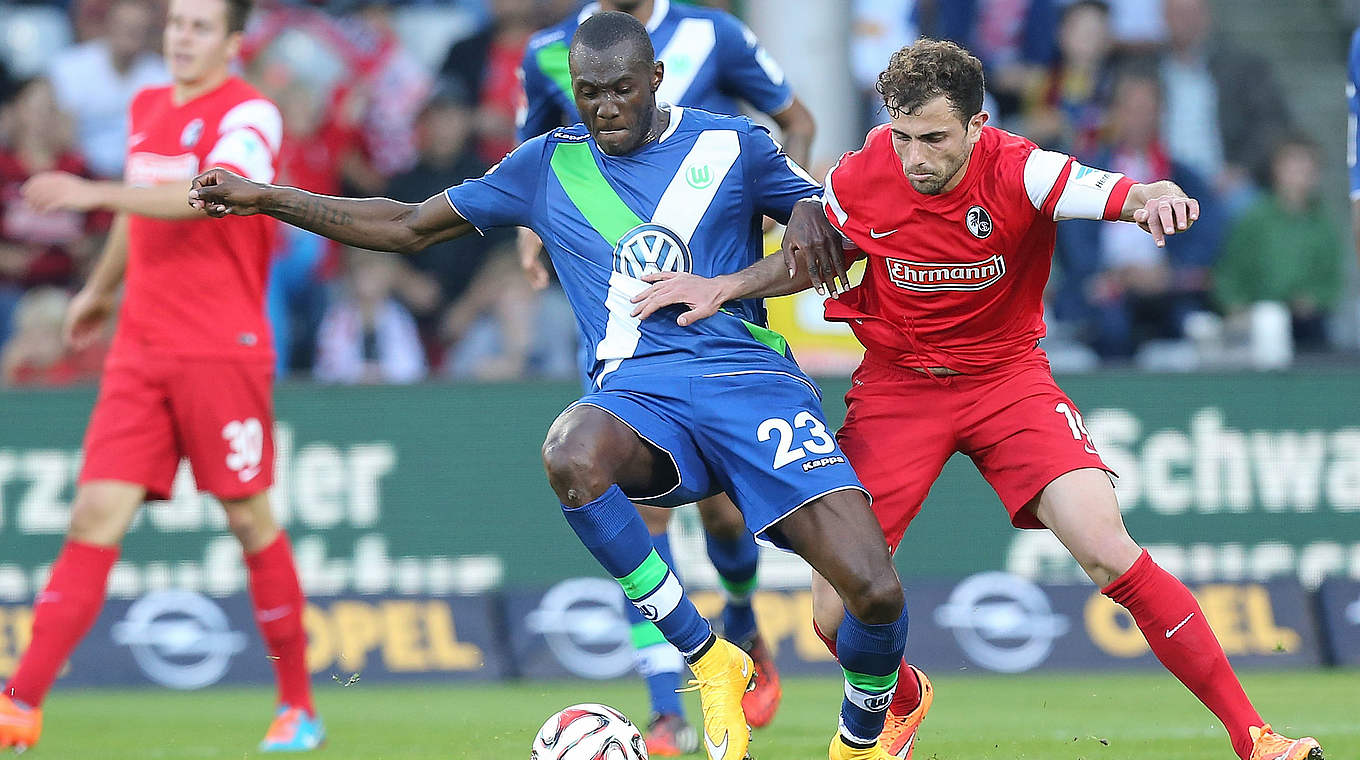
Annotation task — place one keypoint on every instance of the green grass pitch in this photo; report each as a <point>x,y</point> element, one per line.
<point>1053,717</point>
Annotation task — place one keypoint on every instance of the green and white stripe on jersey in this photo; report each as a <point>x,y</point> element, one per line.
<point>679,211</point>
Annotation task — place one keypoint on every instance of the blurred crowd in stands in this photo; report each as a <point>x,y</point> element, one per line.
<point>406,98</point>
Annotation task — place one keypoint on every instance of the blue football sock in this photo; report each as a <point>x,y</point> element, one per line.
<point>736,563</point>
<point>659,663</point>
<point>614,533</point>
<point>870,656</point>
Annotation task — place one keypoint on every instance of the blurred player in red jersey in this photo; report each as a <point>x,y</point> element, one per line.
<point>191,368</point>
<point>957,221</point>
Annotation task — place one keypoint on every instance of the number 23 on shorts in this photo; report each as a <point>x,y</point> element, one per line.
<point>805,426</point>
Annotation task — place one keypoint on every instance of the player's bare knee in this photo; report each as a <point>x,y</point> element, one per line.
<point>242,523</point>
<point>95,520</point>
<point>576,469</point>
<point>876,598</point>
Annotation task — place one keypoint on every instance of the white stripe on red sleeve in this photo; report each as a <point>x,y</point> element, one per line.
<point>258,114</point>
<point>834,212</point>
<point>1042,170</point>
<point>243,149</point>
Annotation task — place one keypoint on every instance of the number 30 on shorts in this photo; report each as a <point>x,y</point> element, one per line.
<point>817,440</point>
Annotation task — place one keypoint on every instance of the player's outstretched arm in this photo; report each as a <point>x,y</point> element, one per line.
<point>377,224</point>
<point>1161,208</point>
<point>54,190</point>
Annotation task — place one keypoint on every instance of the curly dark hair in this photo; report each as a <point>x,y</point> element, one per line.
<point>237,13</point>
<point>927,69</point>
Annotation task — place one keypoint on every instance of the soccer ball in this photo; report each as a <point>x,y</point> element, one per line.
<point>588,732</point>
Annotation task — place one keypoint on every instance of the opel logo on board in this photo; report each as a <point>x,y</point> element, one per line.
<point>180,639</point>
<point>581,620</point>
<point>1002,621</point>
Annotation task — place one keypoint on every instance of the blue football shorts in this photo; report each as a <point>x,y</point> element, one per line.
<point>757,434</point>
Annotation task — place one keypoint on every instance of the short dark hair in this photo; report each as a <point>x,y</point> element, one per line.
<point>1296,139</point>
<point>927,69</point>
<point>605,30</point>
<point>237,13</point>
<point>1095,5</point>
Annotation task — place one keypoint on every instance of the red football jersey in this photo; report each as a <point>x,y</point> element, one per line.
<point>957,279</point>
<point>196,287</point>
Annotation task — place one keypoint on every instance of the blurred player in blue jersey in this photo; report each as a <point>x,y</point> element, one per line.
<point>674,414</point>
<point>715,63</point>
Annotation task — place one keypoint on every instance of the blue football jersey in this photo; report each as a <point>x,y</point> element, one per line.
<point>690,201</point>
<point>711,59</point>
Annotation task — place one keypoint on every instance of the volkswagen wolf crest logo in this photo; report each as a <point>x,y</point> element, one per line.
<point>979,222</point>
<point>649,248</point>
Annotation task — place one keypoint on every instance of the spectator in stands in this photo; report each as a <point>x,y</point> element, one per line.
<point>393,88</point>
<point>1065,107</point>
<point>367,336</point>
<point>36,354</point>
<point>879,29</point>
<point>1224,107</point>
<point>1014,39</point>
<point>1119,288</point>
<point>1286,248</point>
<point>439,275</point>
<point>95,82</point>
<point>37,248</point>
<point>486,65</point>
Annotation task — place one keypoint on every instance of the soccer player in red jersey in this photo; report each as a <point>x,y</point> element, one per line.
<point>957,223</point>
<point>191,369</point>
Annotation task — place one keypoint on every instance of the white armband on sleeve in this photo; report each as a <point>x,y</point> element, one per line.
<point>1061,188</point>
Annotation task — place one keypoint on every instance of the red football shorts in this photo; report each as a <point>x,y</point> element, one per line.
<point>1016,425</point>
<point>151,412</point>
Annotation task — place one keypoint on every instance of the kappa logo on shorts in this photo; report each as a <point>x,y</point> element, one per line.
<point>823,462</point>
<point>928,276</point>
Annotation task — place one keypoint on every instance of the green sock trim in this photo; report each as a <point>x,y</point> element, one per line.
<point>645,578</point>
<point>738,588</point>
<point>872,684</point>
<point>646,635</point>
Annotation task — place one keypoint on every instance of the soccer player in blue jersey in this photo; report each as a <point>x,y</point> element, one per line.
<point>674,414</point>
<point>712,61</point>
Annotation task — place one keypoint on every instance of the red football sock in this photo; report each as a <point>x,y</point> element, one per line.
<point>277,596</point>
<point>1175,628</point>
<point>62,615</point>
<point>908,694</point>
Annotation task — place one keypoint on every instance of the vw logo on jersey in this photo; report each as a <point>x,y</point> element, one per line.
<point>649,248</point>
<point>979,222</point>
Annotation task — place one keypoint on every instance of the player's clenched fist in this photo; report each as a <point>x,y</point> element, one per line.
<point>1166,215</point>
<point>219,192</point>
